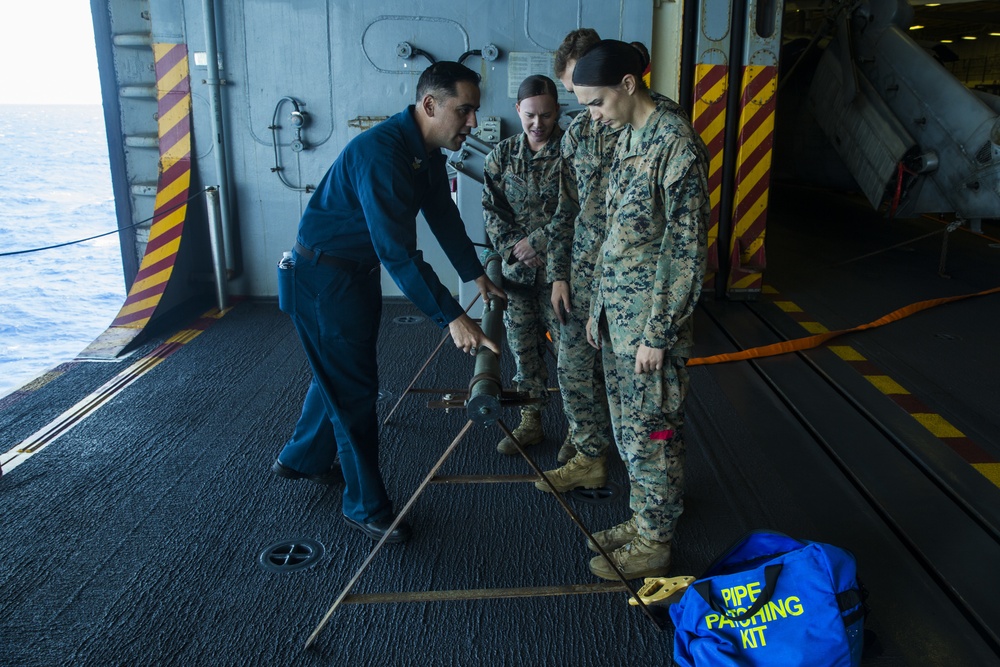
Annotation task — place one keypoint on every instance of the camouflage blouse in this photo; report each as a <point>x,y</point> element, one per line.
<point>520,195</point>
<point>588,149</point>
<point>650,268</point>
<point>581,219</point>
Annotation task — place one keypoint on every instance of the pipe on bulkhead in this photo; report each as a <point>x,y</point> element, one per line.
<point>215,237</point>
<point>215,105</point>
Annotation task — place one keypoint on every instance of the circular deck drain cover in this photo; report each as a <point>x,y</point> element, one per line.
<point>599,496</point>
<point>291,555</point>
<point>408,319</point>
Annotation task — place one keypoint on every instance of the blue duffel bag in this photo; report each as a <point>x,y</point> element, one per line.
<point>771,600</point>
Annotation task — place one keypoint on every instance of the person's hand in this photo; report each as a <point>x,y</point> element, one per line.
<point>596,344</point>
<point>648,359</point>
<point>487,287</point>
<point>468,337</point>
<point>560,299</point>
<point>523,251</point>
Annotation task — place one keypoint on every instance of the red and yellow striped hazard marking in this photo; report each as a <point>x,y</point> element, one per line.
<point>709,120</point>
<point>820,334</point>
<point>173,93</point>
<point>938,426</point>
<point>85,408</point>
<point>753,178</point>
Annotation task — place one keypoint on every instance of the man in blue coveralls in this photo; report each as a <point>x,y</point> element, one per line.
<point>363,213</point>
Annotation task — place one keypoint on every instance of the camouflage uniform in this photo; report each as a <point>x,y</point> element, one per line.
<point>647,282</point>
<point>581,224</point>
<point>520,194</point>
<point>588,149</point>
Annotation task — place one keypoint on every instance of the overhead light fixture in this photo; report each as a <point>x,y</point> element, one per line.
<point>969,37</point>
<point>995,34</point>
<point>916,27</point>
<point>946,41</point>
<point>933,4</point>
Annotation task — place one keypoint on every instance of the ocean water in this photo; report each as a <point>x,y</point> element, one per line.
<point>55,186</point>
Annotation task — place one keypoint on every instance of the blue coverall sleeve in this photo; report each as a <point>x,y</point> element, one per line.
<point>387,190</point>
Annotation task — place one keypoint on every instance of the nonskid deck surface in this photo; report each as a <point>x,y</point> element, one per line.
<point>134,538</point>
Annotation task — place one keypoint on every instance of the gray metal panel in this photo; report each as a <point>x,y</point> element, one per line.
<point>762,41</point>
<point>168,20</point>
<point>340,61</point>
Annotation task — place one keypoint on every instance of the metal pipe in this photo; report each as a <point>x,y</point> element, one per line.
<point>483,406</point>
<point>395,523</point>
<point>215,104</point>
<point>218,251</point>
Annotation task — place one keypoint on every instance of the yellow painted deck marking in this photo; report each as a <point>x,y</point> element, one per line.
<point>788,306</point>
<point>846,352</point>
<point>990,471</point>
<point>814,327</point>
<point>938,425</point>
<point>886,384</point>
<point>65,422</point>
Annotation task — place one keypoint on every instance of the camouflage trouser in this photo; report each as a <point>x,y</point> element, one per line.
<point>581,381</point>
<point>647,417</point>
<point>528,316</point>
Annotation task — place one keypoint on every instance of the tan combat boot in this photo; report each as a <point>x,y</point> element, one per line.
<point>566,452</point>
<point>528,432</point>
<point>615,536</point>
<point>639,558</point>
<point>581,470</point>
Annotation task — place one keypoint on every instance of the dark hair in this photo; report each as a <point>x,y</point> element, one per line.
<point>573,46</point>
<point>643,51</point>
<point>537,84</point>
<point>607,62</point>
<point>443,77</point>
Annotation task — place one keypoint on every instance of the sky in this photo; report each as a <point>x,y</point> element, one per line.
<point>48,53</point>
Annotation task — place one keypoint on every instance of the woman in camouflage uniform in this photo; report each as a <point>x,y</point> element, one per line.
<point>520,194</point>
<point>588,149</point>
<point>646,285</point>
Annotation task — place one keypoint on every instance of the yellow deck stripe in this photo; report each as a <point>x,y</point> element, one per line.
<point>990,471</point>
<point>937,425</point>
<point>69,419</point>
<point>814,327</point>
<point>886,385</point>
<point>846,352</point>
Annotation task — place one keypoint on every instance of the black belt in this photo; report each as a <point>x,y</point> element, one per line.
<point>348,265</point>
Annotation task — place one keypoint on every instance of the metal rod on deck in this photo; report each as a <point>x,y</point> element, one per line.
<point>215,236</point>
<point>576,519</point>
<point>388,532</point>
<point>483,407</point>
